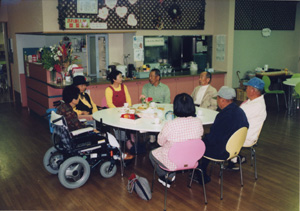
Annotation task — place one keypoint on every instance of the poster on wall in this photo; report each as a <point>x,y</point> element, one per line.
<point>138,55</point>
<point>138,42</point>
<point>87,6</point>
<point>220,48</point>
<point>138,48</point>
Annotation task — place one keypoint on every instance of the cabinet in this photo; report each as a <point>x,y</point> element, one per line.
<point>97,93</point>
<point>40,95</point>
<point>135,89</point>
<point>179,85</point>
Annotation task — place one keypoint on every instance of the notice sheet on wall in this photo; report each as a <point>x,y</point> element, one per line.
<point>220,48</point>
<point>138,48</point>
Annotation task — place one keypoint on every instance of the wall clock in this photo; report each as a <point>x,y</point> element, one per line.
<point>266,32</point>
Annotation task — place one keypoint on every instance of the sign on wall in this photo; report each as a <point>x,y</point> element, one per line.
<point>154,41</point>
<point>77,23</point>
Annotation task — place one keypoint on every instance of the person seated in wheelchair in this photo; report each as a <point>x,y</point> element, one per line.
<point>86,105</point>
<point>66,108</point>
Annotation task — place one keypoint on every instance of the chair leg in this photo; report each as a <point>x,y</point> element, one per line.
<point>241,171</point>
<point>221,175</point>
<point>166,190</point>
<point>190,184</point>
<point>153,179</point>
<point>251,157</point>
<point>277,102</point>
<point>203,185</point>
<point>285,100</point>
<point>255,168</point>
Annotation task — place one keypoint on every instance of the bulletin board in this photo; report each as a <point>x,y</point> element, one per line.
<point>137,14</point>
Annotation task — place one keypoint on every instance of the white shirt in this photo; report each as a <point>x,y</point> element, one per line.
<point>256,113</point>
<point>200,94</point>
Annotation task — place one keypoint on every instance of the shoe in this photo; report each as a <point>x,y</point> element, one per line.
<point>127,156</point>
<point>235,166</point>
<point>243,159</point>
<point>162,180</point>
<point>198,178</point>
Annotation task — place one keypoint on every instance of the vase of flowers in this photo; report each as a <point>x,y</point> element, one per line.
<point>146,100</point>
<point>57,59</point>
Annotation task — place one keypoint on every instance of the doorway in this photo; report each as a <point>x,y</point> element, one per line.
<point>98,55</point>
<point>5,92</point>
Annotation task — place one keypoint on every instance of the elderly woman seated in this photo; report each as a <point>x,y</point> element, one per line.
<point>86,106</point>
<point>184,127</point>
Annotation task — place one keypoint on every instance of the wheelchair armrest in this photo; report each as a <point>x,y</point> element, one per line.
<point>81,131</point>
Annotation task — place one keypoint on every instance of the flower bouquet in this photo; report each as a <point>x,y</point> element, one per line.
<point>57,58</point>
<point>145,99</point>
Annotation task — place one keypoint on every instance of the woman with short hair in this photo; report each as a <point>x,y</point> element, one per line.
<point>184,127</point>
<point>117,94</point>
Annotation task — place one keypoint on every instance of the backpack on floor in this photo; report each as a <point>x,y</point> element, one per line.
<point>140,185</point>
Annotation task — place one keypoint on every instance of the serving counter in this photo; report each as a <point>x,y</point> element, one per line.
<point>41,92</point>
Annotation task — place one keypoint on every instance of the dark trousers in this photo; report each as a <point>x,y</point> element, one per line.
<point>156,163</point>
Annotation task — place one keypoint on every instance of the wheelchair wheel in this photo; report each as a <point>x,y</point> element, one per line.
<point>74,172</point>
<point>52,160</point>
<point>104,170</point>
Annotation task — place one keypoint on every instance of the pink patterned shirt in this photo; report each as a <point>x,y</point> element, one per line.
<point>177,130</point>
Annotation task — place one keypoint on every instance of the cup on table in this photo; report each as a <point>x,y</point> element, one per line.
<point>156,121</point>
<point>126,105</point>
<point>199,113</point>
<point>153,105</point>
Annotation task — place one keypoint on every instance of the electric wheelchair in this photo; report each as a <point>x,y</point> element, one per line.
<point>75,153</point>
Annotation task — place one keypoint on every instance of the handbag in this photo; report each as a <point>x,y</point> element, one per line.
<point>140,185</point>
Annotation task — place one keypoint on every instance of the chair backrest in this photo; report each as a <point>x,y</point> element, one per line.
<point>235,142</point>
<point>60,128</point>
<point>296,75</point>
<point>186,154</point>
<point>297,88</point>
<point>267,81</point>
<point>56,118</point>
<point>258,134</point>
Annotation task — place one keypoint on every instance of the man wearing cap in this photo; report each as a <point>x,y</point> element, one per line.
<point>205,96</point>
<point>228,121</point>
<point>86,106</point>
<point>255,110</point>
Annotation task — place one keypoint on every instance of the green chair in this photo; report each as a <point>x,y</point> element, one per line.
<point>296,75</point>
<point>267,81</point>
<point>296,95</point>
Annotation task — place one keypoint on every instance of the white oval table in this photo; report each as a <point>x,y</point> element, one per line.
<point>111,117</point>
<point>291,83</point>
